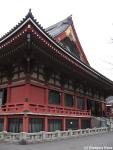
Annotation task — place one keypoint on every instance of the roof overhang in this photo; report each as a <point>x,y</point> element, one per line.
<point>33,22</point>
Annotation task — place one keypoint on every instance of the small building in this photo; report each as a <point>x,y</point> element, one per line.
<point>46,81</point>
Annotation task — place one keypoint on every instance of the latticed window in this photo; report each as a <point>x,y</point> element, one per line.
<point>55,79</point>
<point>69,85</point>
<point>80,103</point>
<point>54,125</point>
<point>35,124</point>
<point>1,124</point>
<point>15,125</point>
<point>54,97</point>
<point>68,100</point>
<point>71,124</point>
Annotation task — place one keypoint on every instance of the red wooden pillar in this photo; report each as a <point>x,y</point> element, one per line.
<point>5,127</point>
<point>64,124</point>
<point>27,96</point>
<point>79,123</point>
<point>25,123</point>
<point>46,124</point>
<point>8,94</point>
<point>27,91</point>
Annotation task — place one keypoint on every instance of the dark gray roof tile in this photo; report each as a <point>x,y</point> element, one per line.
<point>59,27</point>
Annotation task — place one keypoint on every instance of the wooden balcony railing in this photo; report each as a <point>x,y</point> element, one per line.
<point>43,109</point>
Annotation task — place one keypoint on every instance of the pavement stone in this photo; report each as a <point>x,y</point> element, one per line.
<point>101,141</point>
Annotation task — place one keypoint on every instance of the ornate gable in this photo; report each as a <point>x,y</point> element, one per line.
<point>64,32</point>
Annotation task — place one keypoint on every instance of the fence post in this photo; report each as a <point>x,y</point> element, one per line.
<point>43,135</point>
<point>23,136</point>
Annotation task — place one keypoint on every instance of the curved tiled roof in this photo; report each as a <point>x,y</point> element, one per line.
<point>66,22</point>
<point>29,15</point>
<point>59,27</point>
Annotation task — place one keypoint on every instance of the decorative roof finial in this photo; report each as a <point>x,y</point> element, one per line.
<point>30,11</point>
<point>30,14</point>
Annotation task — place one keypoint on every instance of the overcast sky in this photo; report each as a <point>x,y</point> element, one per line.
<point>93,21</point>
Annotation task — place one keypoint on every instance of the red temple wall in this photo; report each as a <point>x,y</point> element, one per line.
<point>33,93</point>
<point>37,95</point>
<point>17,94</point>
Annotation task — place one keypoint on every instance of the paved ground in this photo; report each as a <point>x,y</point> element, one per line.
<point>97,142</point>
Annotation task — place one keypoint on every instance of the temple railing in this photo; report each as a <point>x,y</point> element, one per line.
<point>44,109</point>
<point>42,136</point>
<point>59,110</point>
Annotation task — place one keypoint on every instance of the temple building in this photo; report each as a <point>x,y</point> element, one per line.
<point>46,81</point>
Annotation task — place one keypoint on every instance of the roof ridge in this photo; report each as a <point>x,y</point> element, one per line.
<point>69,19</point>
<point>29,15</point>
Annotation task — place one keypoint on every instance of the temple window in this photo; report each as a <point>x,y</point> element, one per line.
<point>69,85</point>
<point>68,100</point>
<point>54,97</point>
<point>15,125</point>
<point>35,124</point>
<point>55,79</point>
<point>80,103</point>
